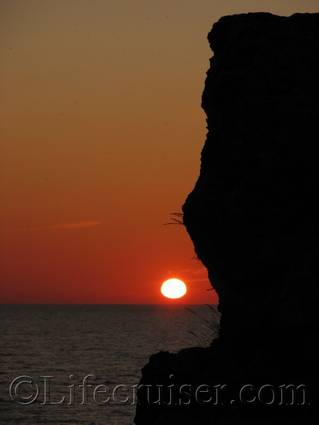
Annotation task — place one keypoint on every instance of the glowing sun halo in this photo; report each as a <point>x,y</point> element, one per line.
<point>173,288</point>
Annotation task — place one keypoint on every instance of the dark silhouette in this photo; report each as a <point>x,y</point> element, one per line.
<point>253,218</point>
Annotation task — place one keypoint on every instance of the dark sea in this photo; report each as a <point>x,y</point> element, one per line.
<point>80,364</point>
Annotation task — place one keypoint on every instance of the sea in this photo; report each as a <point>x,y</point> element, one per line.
<point>80,364</point>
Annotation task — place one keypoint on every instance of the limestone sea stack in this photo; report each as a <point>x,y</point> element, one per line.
<point>253,217</point>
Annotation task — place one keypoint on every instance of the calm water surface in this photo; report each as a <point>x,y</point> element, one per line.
<point>47,351</point>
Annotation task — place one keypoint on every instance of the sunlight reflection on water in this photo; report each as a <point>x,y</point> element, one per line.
<point>110,342</point>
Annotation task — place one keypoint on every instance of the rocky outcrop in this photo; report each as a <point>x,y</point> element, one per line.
<point>253,218</point>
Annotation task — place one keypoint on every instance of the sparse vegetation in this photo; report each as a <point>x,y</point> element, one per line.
<point>176,218</point>
<point>210,324</point>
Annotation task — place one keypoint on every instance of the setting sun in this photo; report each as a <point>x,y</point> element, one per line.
<point>173,288</point>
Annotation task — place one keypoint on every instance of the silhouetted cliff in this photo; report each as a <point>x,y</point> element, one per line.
<point>253,217</point>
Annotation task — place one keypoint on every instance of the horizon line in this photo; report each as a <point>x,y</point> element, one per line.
<point>104,304</point>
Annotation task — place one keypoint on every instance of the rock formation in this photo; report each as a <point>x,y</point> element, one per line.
<point>253,218</point>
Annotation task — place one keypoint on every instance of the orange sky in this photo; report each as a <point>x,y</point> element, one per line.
<point>101,132</point>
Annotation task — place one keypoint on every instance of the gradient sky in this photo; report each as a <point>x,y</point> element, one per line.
<point>101,131</point>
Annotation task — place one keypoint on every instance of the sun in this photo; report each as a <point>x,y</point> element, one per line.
<point>173,288</point>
